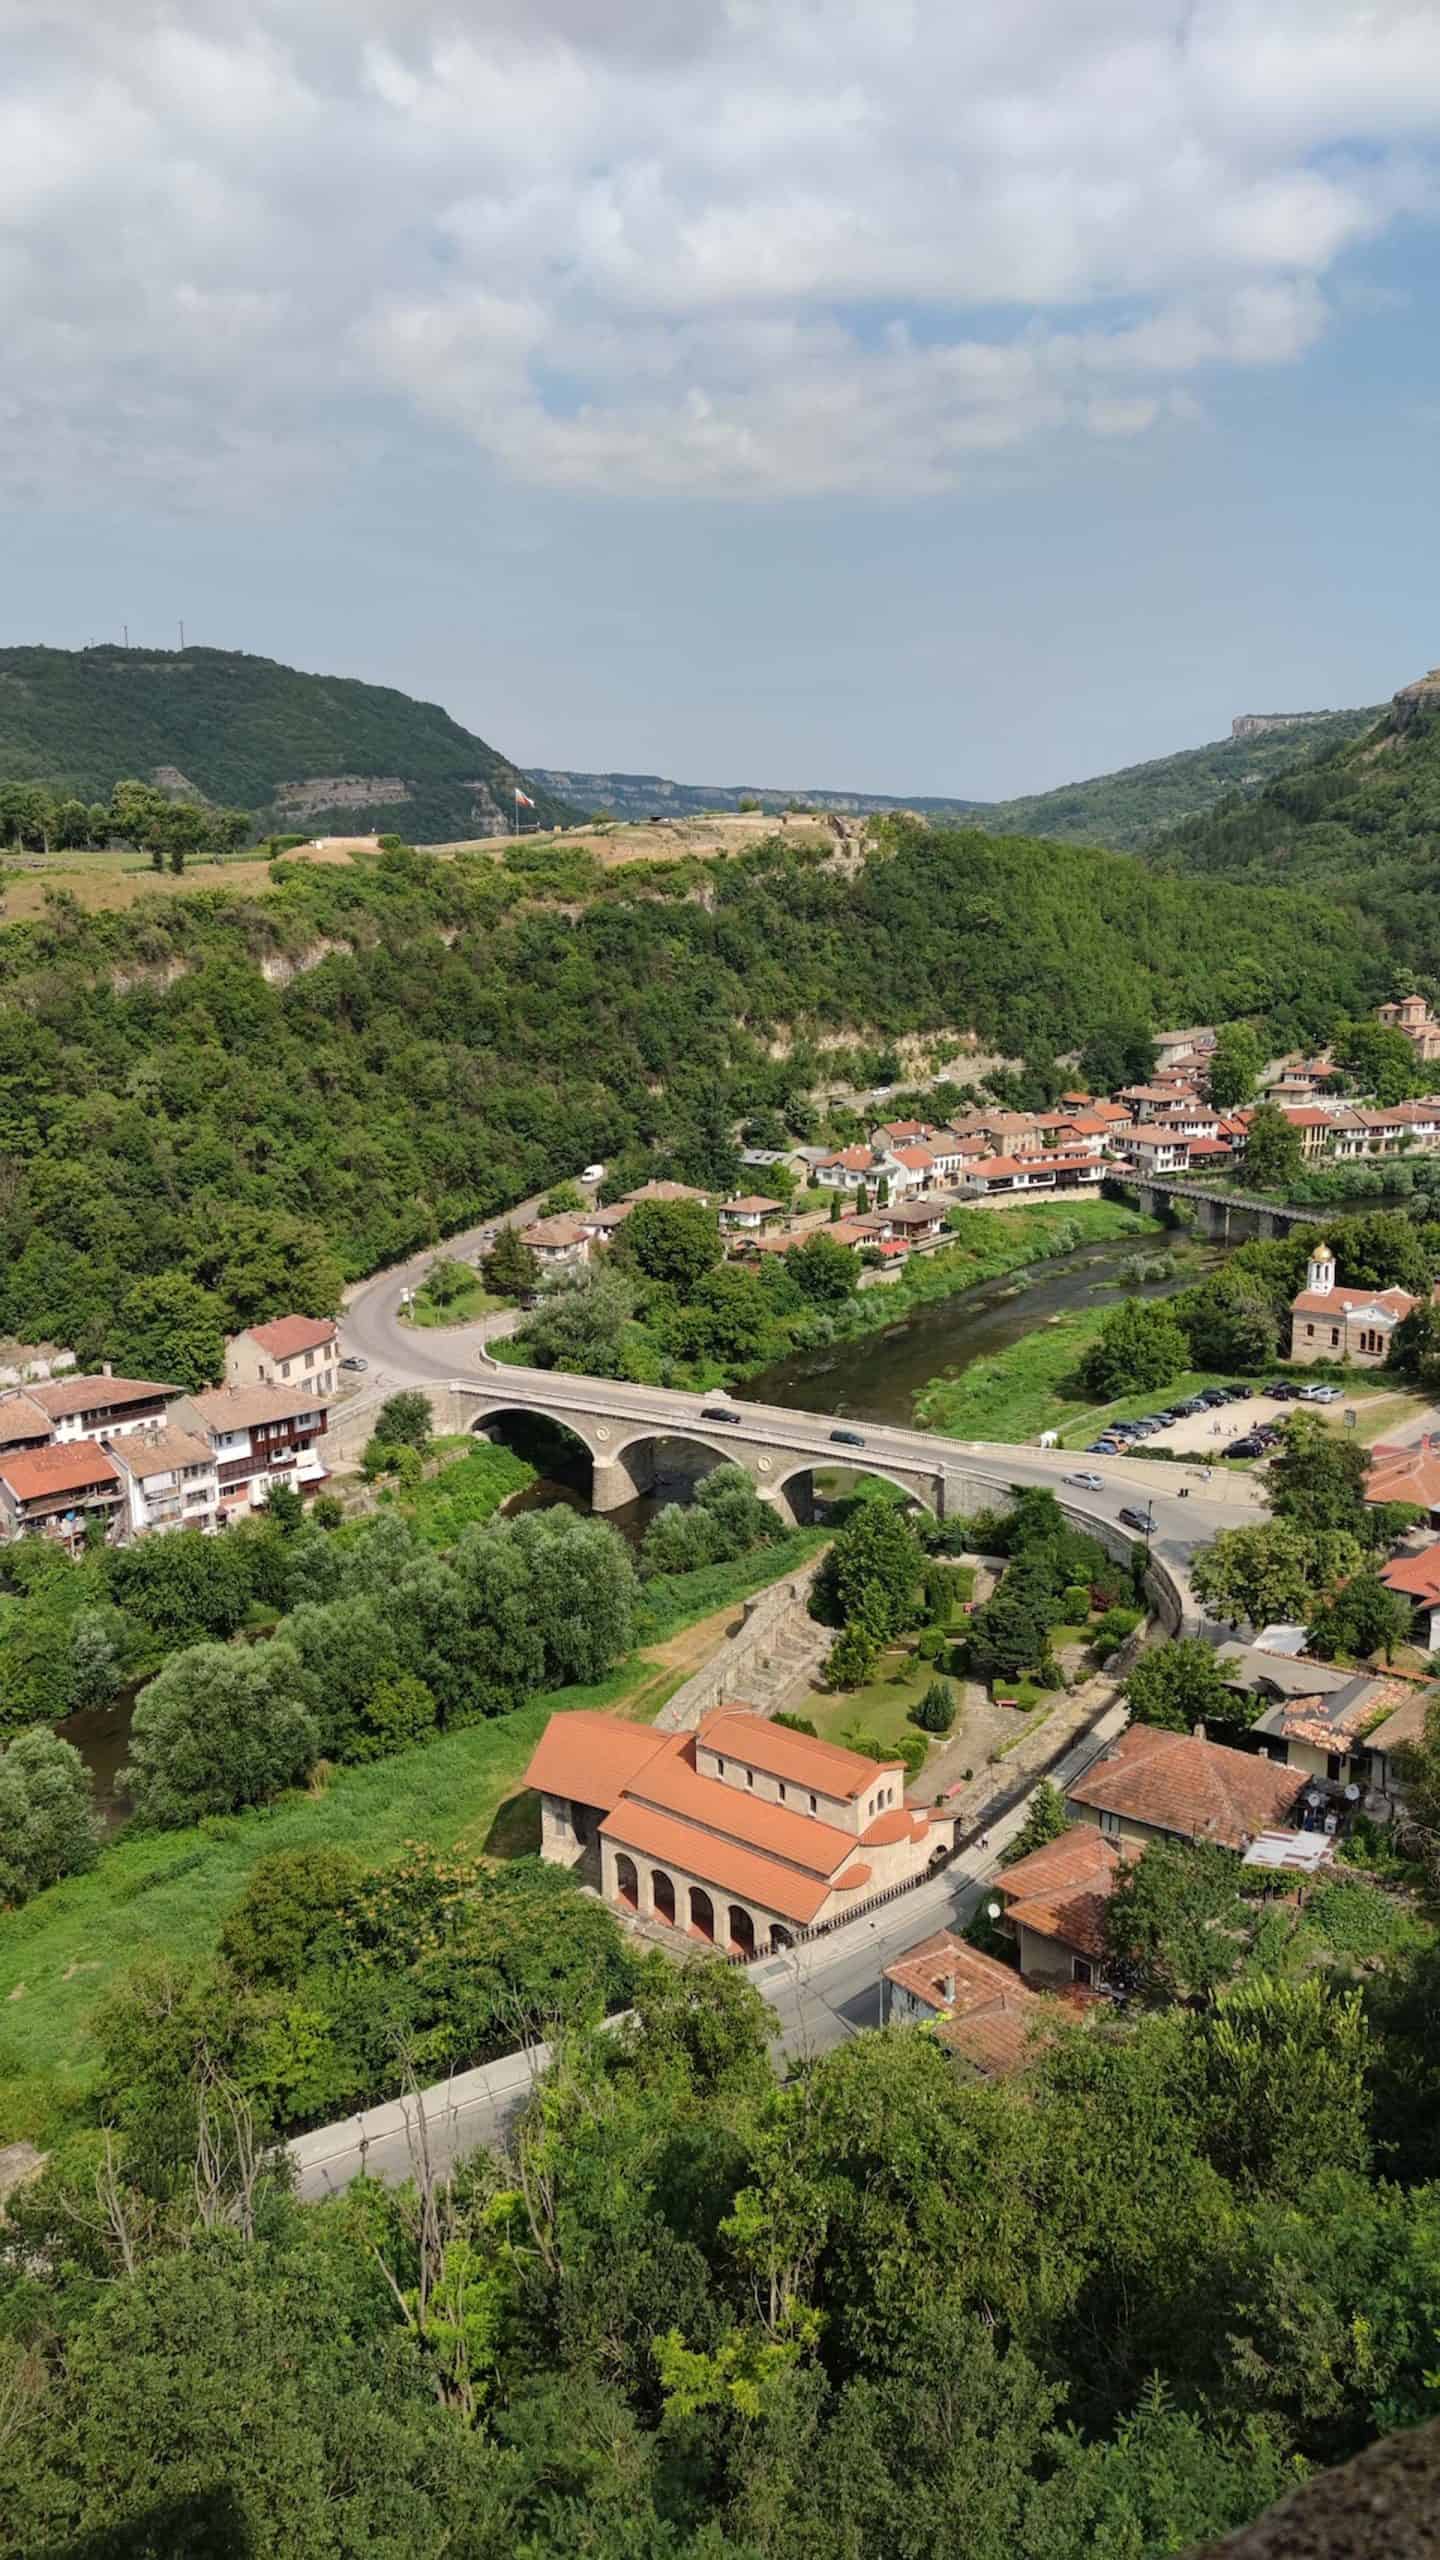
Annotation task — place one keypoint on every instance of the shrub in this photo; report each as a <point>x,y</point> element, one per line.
<point>931,1646</point>
<point>850,1659</point>
<point>1076,1604</point>
<point>796,1724</point>
<point>934,1712</point>
<point>405,1420</point>
<point>292,1902</point>
<point>47,1828</point>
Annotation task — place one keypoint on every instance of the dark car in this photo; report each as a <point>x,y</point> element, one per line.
<point>849,1439</point>
<point>1100,1449</point>
<point>1249,1447</point>
<point>1135,1520</point>
<point>717,1413</point>
<point>1214,1396</point>
<point>1192,1404</point>
<point>1279,1393</point>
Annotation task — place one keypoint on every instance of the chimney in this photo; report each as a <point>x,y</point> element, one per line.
<point>107,1368</point>
<point>947,1988</point>
<point>1197,1732</point>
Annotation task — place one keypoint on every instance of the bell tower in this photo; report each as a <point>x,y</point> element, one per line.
<point>1320,1272</point>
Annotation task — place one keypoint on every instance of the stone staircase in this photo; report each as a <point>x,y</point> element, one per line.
<point>795,1656</point>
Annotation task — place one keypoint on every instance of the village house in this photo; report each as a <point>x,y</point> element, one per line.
<point>1158,1102</point>
<point>667,1191</point>
<point>1313,1126</point>
<point>1150,1784</point>
<point>289,1351</point>
<point>1417,1579</point>
<point>750,1213</point>
<point>1024,1176</point>
<point>1153,1149</point>
<point>1192,1047</point>
<point>171,1480</point>
<point>741,1833</point>
<point>1412,1015</point>
<point>56,1491</point>
<point>1053,1906</point>
<point>918,1222</point>
<point>81,1408</point>
<point>22,1424</point>
<point>560,1243</point>
<point>602,1226</point>
<point>849,1169</point>
<point>1330,1323</point>
<point>258,1437</point>
<point>984,2016</point>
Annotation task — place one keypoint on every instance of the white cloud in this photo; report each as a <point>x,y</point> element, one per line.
<point>746,247</point>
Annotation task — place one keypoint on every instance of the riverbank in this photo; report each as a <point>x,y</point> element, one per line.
<point>165,1894</point>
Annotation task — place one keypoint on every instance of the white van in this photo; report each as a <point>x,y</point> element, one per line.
<point>593,1173</point>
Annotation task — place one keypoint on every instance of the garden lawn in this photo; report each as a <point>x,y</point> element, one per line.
<point>882,1706</point>
<point>467,1308</point>
<point>468,1487</point>
<point>167,1893</point>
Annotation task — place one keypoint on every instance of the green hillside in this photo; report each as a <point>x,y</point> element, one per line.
<point>312,754</point>
<point>1126,809</point>
<point>1361,823</point>
<point>1130,808</point>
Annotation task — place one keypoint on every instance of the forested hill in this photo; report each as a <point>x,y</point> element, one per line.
<point>304,753</point>
<point>432,1039</point>
<point>1361,822</point>
<point>1122,809</point>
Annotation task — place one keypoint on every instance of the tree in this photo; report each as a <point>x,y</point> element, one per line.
<point>1117,1053</point>
<point>406,1420</point>
<point>566,1200</point>
<point>1045,1820</point>
<point>1317,1477</point>
<point>291,1908</point>
<point>1273,1153</point>
<point>1263,1576</point>
<point>1281,2083</point>
<point>1176,1927</point>
<point>874,1569</point>
<point>510,1268</point>
<point>934,1709</point>
<point>185,1585</point>
<point>825,1272</point>
<point>1010,1632</point>
<point>579,1322</point>
<point>219,1727</point>
<point>1415,1346</point>
<point>47,1822</point>
<point>171,1329</point>
<point>1178,1684</point>
<point>1363,1617</point>
<point>1379,1061</point>
<point>1235,1065</point>
<point>851,1658</point>
<point>1231,1321</point>
<point>1139,1345</point>
<point>673,1242</point>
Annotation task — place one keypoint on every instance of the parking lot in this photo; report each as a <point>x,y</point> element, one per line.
<point>1209,1434</point>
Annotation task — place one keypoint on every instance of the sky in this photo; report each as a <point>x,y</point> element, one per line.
<point>949,396</point>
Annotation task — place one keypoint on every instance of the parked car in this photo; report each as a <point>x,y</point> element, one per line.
<point>717,1413</point>
<point>1279,1393</point>
<point>1248,1447</point>
<point>352,1360</point>
<point>1130,1519</point>
<point>1091,1482</point>
<point>849,1439</point>
<point>593,1173</point>
<point>1212,1397</point>
<point>1319,1395</point>
<point>1101,1449</point>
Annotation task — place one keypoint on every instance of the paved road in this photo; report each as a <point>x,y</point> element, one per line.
<point>822,1994</point>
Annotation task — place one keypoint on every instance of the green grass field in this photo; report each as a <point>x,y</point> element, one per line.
<point>467,1308</point>
<point>468,1486</point>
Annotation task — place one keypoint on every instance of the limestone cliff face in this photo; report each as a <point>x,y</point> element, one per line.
<point>1256,724</point>
<point>1413,700</point>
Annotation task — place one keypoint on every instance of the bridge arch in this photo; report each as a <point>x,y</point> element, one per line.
<point>549,1442</point>
<point>794,1487</point>
<point>642,1458</point>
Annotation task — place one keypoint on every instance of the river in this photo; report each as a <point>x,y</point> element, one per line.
<point>877,1376</point>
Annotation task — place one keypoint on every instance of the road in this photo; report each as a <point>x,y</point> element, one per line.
<point>821,1993</point>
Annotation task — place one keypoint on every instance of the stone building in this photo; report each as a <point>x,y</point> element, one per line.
<point>1329,1323</point>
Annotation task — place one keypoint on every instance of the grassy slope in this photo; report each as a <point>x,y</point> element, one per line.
<point>167,1894</point>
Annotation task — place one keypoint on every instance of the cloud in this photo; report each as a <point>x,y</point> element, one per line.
<point>750,248</point>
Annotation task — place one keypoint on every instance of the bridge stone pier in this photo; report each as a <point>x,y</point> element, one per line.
<point>1217,1213</point>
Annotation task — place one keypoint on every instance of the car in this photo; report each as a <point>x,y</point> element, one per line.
<point>1100,1449</point>
<point>1122,1430</point>
<point>353,1361</point>
<point>1086,1477</point>
<point>849,1439</point>
<point>1192,1404</point>
<point>1214,1396</point>
<point>1130,1519</point>
<point>1319,1395</point>
<point>717,1413</point>
<point>1164,1420</point>
<point>593,1173</point>
<point>1279,1393</point>
<point>1248,1447</point>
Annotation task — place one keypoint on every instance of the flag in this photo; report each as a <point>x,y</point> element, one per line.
<point>523,799</point>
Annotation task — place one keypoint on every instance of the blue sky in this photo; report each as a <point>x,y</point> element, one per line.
<point>864,392</point>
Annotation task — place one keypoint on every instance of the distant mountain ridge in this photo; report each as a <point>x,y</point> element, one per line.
<point>306,754</point>
<point>1123,809</point>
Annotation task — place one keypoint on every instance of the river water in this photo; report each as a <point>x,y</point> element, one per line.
<point>877,1376</point>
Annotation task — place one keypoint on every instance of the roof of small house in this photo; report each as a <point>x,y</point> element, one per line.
<point>96,1393</point>
<point>1419,1576</point>
<point>1404,1475</point>
<point>67,1466</point>
<point>21,1418</point>
<point>162,1451</point>
<point>1182,1783</point>
<point>1253,1666</point>
<point>984,2010</point>
<point>287,1335</point>
<point>751,1204</point>
<point>241,1408</point>
<point>555,1233</point>
<point>1061,1889</point>
<point>1334,1719</point>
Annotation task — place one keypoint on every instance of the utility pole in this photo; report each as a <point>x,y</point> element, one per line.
<point>182,635</point>
<point>125,627</point>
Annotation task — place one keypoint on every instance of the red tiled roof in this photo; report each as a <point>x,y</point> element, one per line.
<point>22,1419</point>
<point>1060,1890</point>
<point>726,1864</point>
<point>1417,1575</point>
<point>590,1758</point>
<point>61,1397</point>
<point>826,1766</point>
<point>67,1466</point>
<point>914,1159</point>
<point>1347,1302</point>
<point>1404,1475</point>
<point>670,1783</point>
<point>991,2015</point>
<point>289,1334</point>
<point>853,1159</point>
<point>751,1201</point>
<point>240,1408</point>
<point>1198,1789</point>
